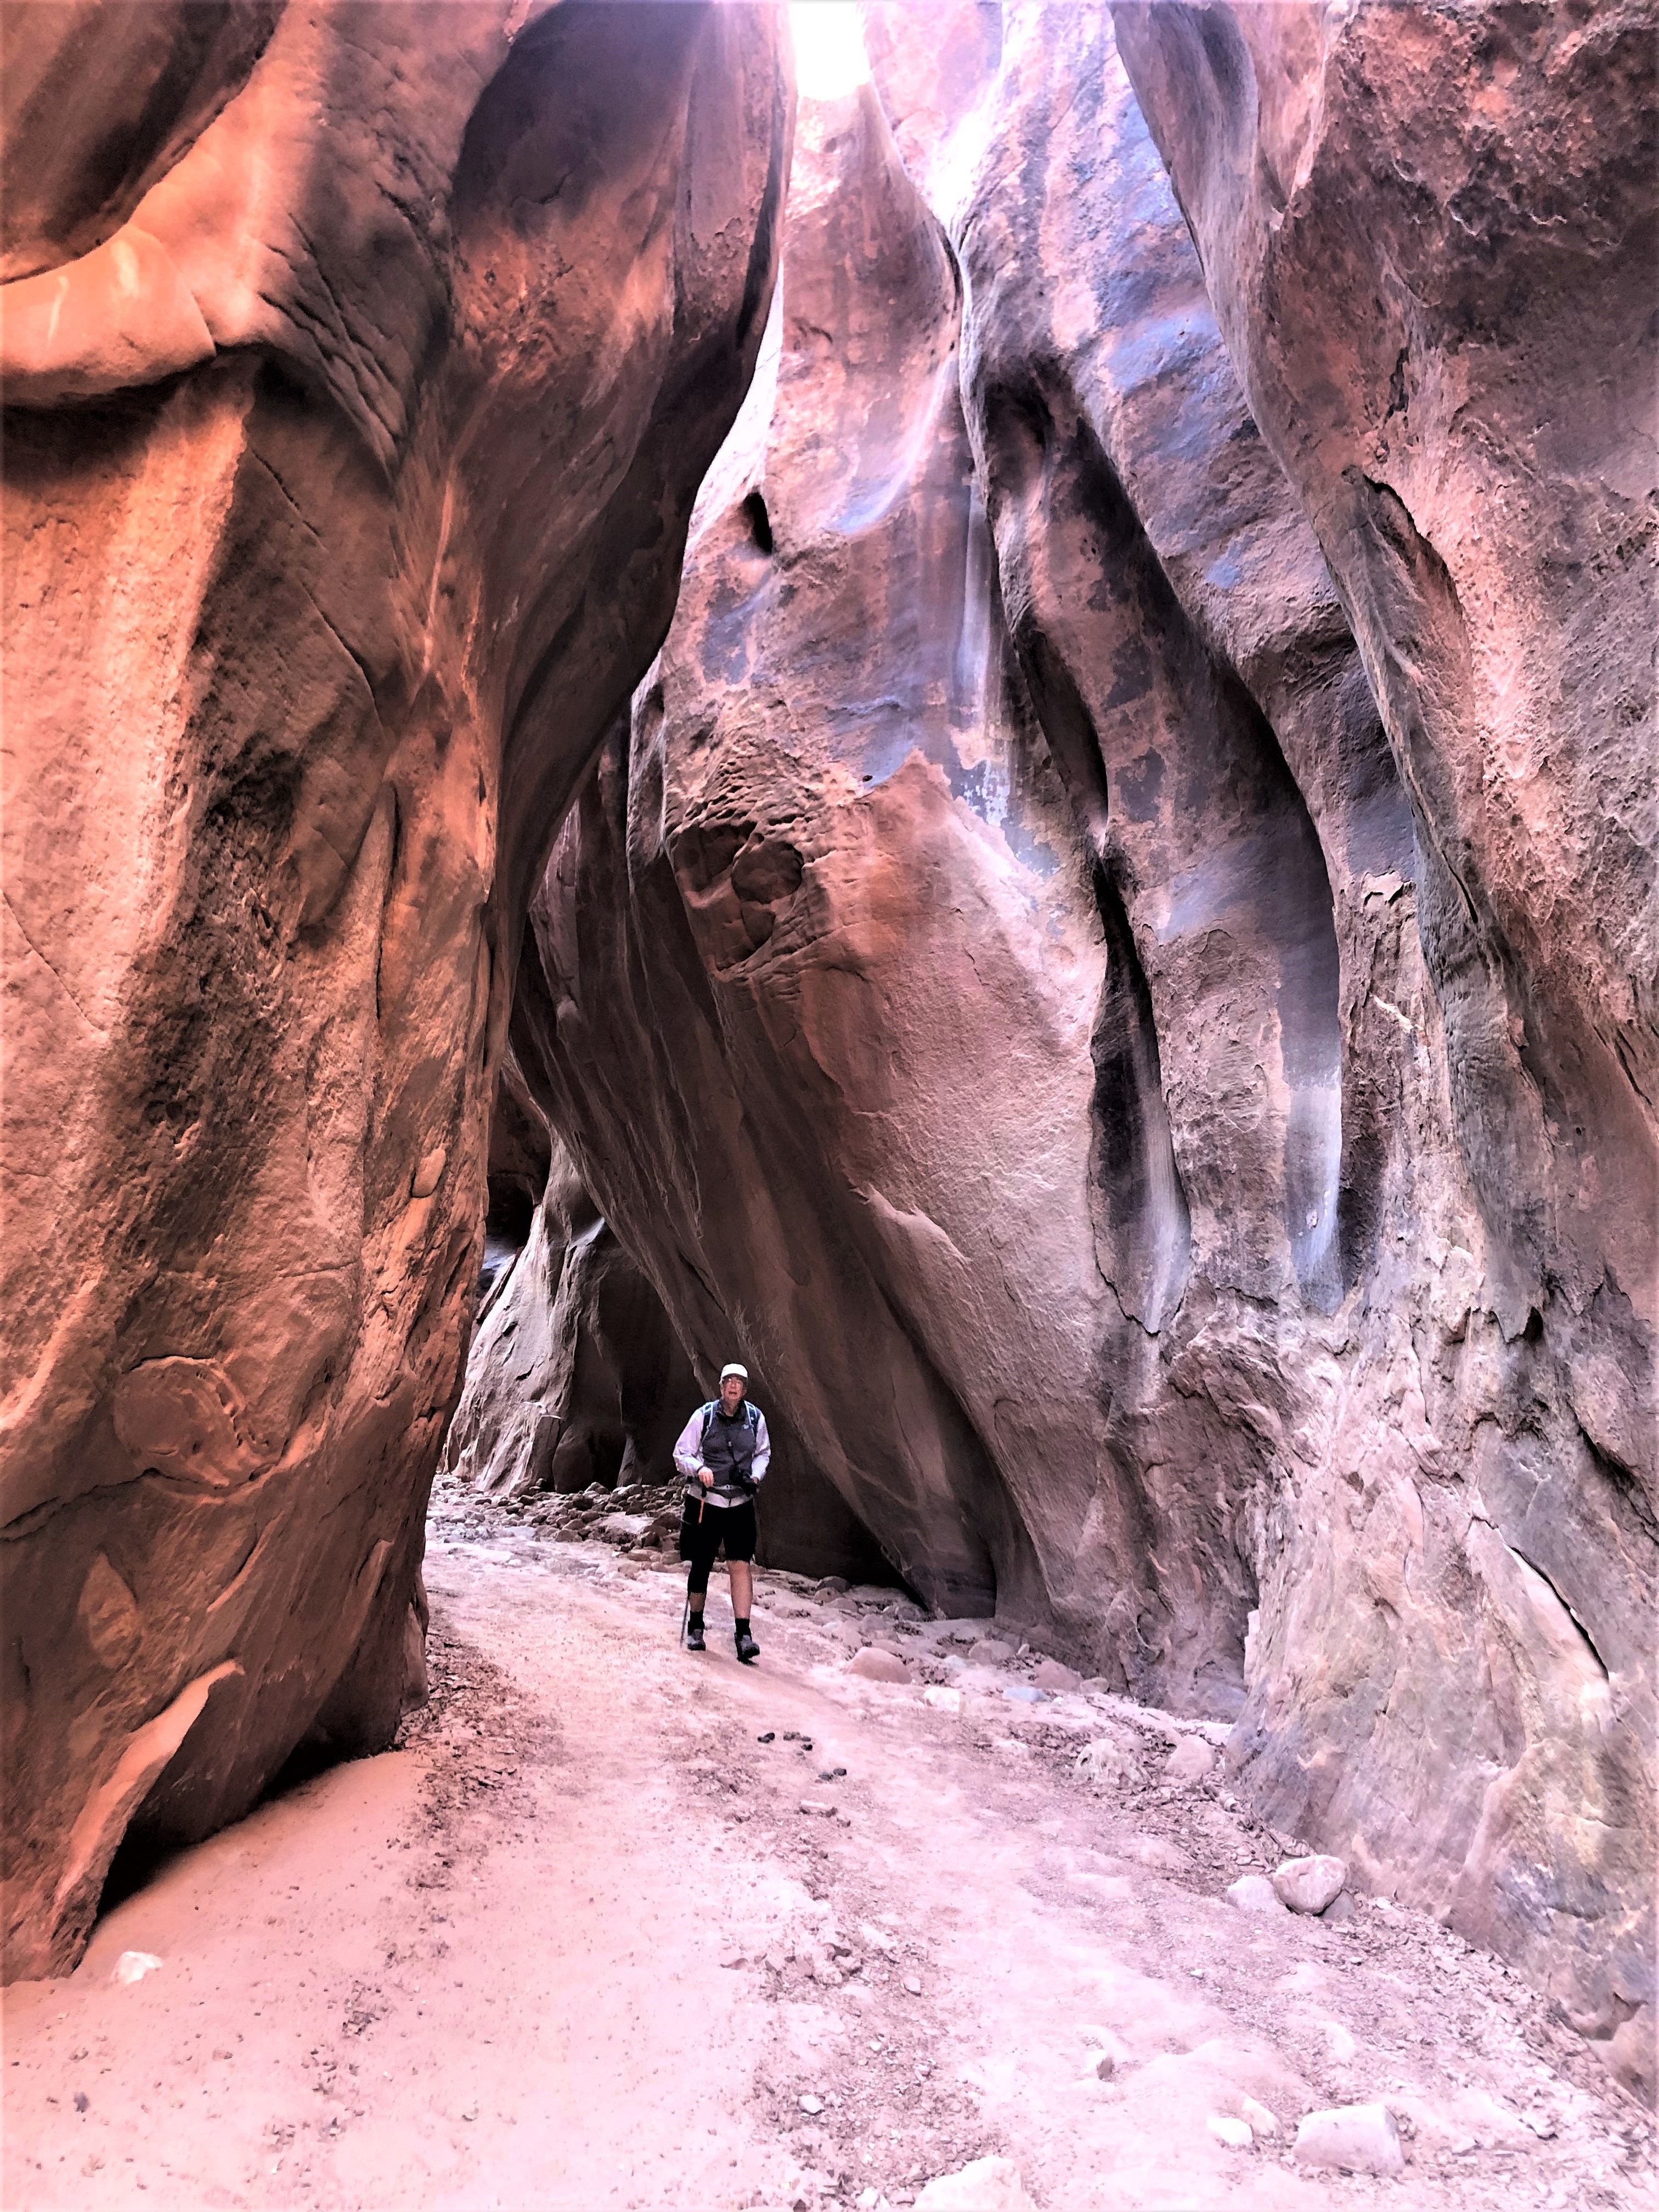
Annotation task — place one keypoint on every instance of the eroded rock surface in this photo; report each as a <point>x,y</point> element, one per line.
<point>575,1376</point>
<point>1427,234</point>
<point>1028,962</point>
<point>363,364</point>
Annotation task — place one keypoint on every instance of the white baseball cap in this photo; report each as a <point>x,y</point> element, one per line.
<point>733,1368</point>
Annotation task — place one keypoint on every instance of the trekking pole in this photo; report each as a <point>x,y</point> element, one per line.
<point>685,1616</point>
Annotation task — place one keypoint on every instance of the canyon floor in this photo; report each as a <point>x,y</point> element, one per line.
<point>577,1943</point>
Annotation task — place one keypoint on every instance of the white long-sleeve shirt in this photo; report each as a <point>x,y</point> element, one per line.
<point>688,1458</point>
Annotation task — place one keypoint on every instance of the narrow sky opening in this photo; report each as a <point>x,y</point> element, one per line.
<point>829,57</point>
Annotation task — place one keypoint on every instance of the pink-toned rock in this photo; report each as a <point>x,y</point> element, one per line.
<point>1417,226</point>
<point>1050,1674</point>
<point>1351,2139</point>
<point>1038,977</point>
<point>361,367</point>
<point>874,1664</point>
<point>1309,1885</point>
<point>1253,1892</point>
<point>987,2184</point>
<point>1191,1761</point>
<point>575,1375</point>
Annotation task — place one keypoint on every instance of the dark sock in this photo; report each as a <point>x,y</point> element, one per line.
<point>696,1617</point>
<point>742,1628</point>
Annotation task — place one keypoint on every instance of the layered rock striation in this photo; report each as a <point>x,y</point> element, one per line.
<point>362,364</point>
<point>1122,974</point>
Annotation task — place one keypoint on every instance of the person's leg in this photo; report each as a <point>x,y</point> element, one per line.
<point>739,1551</point>
<point>699,1555</point>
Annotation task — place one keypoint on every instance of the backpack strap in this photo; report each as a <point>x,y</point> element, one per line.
<point>750,1409</point>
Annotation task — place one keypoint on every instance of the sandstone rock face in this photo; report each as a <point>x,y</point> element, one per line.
<point>575,1376</point>
<point>1426,235</point>
<point>1075,956</point>
<point>362,365</point>
<point>823,924</point>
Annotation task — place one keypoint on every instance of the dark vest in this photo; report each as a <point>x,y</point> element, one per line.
<point>728,1448</point>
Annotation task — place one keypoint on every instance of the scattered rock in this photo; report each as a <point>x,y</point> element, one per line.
<point>818,1805</point>
<point>133,1966</point>
<point>1191,1761</point>
<point>810,2104</point>
<point>1051,1675</point>
<point>989,2185</point>
<point>1023,1693</point>
<point>1262,2122</point>
<point>1105,1759</point>
<point>1351,2139</point>
<point>618,1525</point>
<point>1340,1908</point>
<point>912,1985</point>
<point>1236,2133</point>
<point>1309,1885</point>
<point>1253,1892</point>
<point>875,1665</point>
<point>947,1700</point>
<point>1155,1852</point>
<point>990,1651</point>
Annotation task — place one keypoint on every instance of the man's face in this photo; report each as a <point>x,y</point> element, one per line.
<point>732,1393</point>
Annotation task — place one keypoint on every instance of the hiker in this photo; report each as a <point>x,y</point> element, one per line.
<point>722,1452</point>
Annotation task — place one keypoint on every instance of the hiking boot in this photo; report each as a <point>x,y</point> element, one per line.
<point>694,1636</point>
<point>748,1649</point>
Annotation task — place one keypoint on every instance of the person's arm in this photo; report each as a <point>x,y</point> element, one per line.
<point>688,1449</point>
<point>763,1457</point>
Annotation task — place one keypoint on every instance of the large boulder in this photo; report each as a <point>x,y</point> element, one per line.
<point>361,367</point>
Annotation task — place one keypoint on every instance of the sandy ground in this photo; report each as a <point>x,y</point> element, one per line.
<point>578,1945</point>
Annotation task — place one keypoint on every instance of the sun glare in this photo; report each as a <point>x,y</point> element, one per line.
<point>829,57</point>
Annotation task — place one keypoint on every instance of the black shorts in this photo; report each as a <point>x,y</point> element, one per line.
<point>732,1525</point>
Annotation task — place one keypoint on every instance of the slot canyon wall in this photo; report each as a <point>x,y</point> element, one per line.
<point>1113,957</point>
<point>362,364</point>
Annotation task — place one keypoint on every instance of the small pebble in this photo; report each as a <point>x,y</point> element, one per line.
<point>767,1738</point>
<point>1236,2133</point>
<point>912,1985</point>
<point>811,2104</point>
